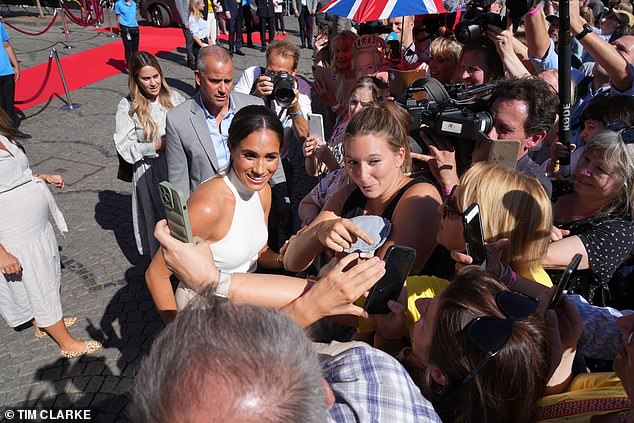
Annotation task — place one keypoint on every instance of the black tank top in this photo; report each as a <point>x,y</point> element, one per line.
<point>439,262</point>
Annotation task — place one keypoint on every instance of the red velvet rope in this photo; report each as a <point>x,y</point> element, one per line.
<point>33,33</point>
<point>78,21</point>
<point>41,89</point>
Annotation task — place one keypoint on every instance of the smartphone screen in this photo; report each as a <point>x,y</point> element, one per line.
<point>473,236</point>
<point>398,263</point>
<point>176,212</point>
<point>564,281</point>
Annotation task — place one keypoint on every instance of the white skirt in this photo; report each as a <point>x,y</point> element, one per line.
<point>26,233</point>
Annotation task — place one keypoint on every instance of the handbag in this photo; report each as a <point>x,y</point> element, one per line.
<point>125,170</point>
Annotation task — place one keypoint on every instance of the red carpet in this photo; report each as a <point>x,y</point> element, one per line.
<point>90,66</point>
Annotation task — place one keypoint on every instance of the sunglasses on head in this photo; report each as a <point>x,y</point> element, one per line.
<point>450,205</point>
<point>625,131</point>
<point>490,334</point>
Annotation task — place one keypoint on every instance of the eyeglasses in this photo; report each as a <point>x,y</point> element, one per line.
<point>450,205</point>
<point>625,131</point>
<point>490,334</point>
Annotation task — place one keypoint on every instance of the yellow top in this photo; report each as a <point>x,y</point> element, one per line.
<point>589,394</point>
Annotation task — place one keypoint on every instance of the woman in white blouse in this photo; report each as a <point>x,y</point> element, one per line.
<point>198,26</point>
<point>29,255</point>
<point>140,139</point>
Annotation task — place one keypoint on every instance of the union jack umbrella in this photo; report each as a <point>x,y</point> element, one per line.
<point>372,10</point>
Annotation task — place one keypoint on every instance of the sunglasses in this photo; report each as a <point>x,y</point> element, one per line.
<point>490,334</point>
<point>625,131</point>
<point>450,205</point>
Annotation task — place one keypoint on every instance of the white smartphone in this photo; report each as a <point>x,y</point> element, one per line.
<point>316,126</point>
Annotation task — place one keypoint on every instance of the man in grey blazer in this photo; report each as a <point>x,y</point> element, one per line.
<point>197,130</point>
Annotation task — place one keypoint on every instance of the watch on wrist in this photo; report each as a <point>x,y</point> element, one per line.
<point>224,283</point>
<point>586,30</point>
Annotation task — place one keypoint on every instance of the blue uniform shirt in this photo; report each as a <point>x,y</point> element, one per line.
<point>127,13</point>
<point>5,63</point>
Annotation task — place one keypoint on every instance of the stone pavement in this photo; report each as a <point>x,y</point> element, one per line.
<point>102,278</point>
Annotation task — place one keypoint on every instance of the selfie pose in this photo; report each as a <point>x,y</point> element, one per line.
<point>231,211</point>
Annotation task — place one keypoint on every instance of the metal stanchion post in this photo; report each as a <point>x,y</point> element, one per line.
<point>69,104</point>
<point>106,10</point>
<point>67,44</point>
<point>95,8</point>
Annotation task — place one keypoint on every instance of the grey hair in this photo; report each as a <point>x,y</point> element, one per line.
<point>609,149</point>
<point>220,54</point>
<point>223,362</point>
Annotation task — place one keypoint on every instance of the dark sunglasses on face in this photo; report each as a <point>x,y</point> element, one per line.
<point>626,132</point>
<point>490,334</point>
<point>450,205</point>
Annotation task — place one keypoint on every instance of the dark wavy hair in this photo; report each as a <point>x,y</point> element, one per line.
<point>542,102</point>
<point>253,118</point>
<point>507,387</point>
<point>610,109</point>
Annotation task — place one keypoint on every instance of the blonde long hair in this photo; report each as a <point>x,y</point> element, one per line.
<point>512,206</point>
<point>194,10</point>
<point>140,104</point>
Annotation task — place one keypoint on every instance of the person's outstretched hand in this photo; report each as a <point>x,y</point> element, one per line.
<point>193,264</point>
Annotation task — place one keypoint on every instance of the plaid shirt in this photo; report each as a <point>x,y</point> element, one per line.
<point>371,386</point>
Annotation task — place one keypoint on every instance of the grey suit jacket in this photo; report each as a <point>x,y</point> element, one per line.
<point>189,152</point>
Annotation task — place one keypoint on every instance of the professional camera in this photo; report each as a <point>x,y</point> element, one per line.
<point>284,90</point>
<point>458,111</point>
<point>476,21</point>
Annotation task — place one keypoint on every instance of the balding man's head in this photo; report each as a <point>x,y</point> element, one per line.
<point>218,362</point>
<point>216,54</point>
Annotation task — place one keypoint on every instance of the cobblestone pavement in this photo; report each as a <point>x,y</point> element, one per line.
<point>102,280</point>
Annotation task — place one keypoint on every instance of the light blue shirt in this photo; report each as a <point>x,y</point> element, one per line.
<point>5,63</point>
<point>220,136</point>
<point>127,13</point>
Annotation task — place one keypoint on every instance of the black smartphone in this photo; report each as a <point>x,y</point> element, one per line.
<point>564,281</point>
<point>398,263</point>
<point>473,236</point>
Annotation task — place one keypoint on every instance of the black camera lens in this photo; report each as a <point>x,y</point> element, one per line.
<point>467,32</point>
<point>486,121</point>
<point>284,91</point>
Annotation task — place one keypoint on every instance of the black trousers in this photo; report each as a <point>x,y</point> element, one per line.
<point>247,18</point>
<point>306,22</point>
<point>235,30</point>
<point>7,97</point>
<point>279,22</point>
<point>189,47</point>
<point>130,37</point>
<point>264,21</point>
<point>196,49</point>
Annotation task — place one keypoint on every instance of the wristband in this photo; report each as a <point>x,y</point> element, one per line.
<point>224,283</point>
<point>446,192</point>
<point>534,11</point>
<point>280,262</point>
<point>294,115</point>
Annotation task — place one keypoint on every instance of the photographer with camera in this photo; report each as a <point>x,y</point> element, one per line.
<point>522,109</point>
<point>289,97</point>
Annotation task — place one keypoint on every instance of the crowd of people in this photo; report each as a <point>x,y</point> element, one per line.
<point>266,274</point>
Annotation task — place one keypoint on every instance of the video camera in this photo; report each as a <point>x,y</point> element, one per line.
<point>457,111</point>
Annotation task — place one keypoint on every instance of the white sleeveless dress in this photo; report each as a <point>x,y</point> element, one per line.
<point>238,251</point>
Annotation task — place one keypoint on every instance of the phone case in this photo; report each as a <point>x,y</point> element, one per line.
<point>397,269</point>
<point>176,212</point>
<point>316,126</point>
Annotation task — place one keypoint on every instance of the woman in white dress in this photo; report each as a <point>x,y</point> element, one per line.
<point>29,256</point>
<point>140,139</point>
<point>231,211</point>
